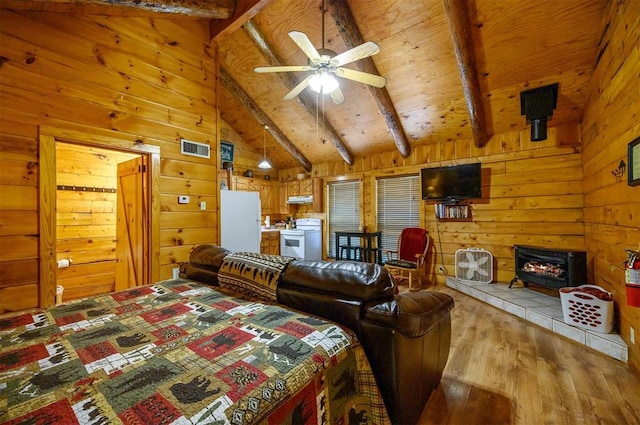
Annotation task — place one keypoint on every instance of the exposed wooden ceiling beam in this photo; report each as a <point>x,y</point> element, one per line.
<point>339,10</point>
<point>205,9</point>
<point>230,84</point>
<point>245,10</point>
<point>460,25</point>
<point>307,101</point>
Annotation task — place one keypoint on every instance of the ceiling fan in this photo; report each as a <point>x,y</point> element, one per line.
<point>323,64</point>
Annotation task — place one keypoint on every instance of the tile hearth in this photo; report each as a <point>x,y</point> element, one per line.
<point>542,310</point>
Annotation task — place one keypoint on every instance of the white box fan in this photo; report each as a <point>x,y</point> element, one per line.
<point>474,265</point>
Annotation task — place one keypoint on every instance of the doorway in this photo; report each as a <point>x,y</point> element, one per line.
<point>136,259</point>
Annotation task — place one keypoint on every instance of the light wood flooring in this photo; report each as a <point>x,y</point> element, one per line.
<point>503,370</point>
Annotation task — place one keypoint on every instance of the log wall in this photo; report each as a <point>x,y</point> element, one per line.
<point>611,121</point>
<point>141,80</point>
<point>532,194</point>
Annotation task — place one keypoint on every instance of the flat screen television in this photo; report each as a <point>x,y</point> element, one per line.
<point>452,183</point>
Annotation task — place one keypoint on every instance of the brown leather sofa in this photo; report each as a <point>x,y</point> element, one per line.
<point>406,336</point>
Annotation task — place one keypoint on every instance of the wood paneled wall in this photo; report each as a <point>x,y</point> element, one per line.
<point>612,120</point>
<point>532,195</point>
<point>142,80</point>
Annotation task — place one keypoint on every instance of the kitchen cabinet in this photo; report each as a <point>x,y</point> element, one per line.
<point>270,242</point>
<point>309,186</point>
<point>265,188</point>
<point>283,196</point>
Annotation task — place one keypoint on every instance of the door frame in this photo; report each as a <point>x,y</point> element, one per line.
<point>105,139</point>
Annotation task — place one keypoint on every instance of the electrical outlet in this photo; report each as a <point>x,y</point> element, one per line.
<point>176,272</point>
<point>632,334</point>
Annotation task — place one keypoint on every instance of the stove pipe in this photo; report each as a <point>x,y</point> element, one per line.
<point>538,105</point>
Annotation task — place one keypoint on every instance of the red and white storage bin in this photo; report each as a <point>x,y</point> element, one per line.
<point>588,307</point>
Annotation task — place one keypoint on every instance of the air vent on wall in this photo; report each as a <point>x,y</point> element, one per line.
<point>187,147</point>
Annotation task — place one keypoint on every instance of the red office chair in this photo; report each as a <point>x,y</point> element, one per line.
<point>409,259</point>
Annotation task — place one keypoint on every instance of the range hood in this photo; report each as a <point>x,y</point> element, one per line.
<point>302,199</point>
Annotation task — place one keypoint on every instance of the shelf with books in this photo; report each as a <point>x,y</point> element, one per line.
<point>452,212</point>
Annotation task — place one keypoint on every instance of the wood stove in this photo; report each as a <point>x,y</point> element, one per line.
<point>550,268</point>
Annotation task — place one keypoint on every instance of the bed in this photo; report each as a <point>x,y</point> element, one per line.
<point>181,352</point>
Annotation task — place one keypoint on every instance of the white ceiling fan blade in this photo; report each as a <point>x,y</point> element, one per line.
<point>298,89</point>
<point>362,77</point>
<point>482,260</point>
<point>337,96</point>
<point>483,272</point>
<point>286,68</point>
<point>359,52</point>
<point>304,43</point>
<point>470,273</point>
<point>470,257</point>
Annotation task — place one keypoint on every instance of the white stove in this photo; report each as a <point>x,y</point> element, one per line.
<point>305,241</point>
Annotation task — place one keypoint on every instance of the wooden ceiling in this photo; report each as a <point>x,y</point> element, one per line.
<point>441,58</point>
<point>515,45</point>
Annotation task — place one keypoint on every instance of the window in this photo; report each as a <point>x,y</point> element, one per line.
<point>398,207</point>
<point>343,211</point>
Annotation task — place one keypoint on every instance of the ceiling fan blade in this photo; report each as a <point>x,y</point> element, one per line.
<point>337,96</point>
<point>361,77</point>
<point>298,89</point>
<point>304,43</point>
<point>359,52</point>
<point>292,68</point>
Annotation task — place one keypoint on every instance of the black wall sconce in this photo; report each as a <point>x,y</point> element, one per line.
<point>538,105</point>
<point>619,172</point>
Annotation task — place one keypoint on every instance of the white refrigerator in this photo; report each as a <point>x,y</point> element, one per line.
<point>240,221</point>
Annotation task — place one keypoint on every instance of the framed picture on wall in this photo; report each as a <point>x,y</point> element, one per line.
<point>226,151</point>
<point>634,162</point>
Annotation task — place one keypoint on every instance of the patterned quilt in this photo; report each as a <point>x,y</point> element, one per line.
<point>178,352</point>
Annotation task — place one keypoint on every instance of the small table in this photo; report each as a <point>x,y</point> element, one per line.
<point>370,251</point>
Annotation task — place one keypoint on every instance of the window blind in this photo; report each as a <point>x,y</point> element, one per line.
<point>398,207</point>
<point>343,211</point>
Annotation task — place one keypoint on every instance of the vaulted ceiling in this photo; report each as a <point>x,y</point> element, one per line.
<point>454,68</point>
<point>504,47</point>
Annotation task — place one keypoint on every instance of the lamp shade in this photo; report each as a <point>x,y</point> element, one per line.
<point>323,82</point>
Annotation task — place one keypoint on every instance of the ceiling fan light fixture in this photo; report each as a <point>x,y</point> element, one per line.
<point>323,82</point>
<point>264,164</point>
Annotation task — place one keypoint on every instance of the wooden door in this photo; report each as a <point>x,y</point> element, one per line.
<point>132,228</point>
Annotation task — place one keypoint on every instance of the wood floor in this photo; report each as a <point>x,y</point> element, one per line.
<point>503,370</point>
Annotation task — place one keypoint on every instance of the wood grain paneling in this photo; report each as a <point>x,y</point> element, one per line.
<point>612,120</point>
<point>147,81</point>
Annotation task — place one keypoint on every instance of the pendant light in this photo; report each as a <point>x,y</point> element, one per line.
<point>264,164</point>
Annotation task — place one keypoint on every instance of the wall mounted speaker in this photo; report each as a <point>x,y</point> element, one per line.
<point>538,105</point>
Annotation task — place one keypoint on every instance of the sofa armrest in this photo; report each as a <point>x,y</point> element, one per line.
<point>412,314</point>
<point>407,342</point>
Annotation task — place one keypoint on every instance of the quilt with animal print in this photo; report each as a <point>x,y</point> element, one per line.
<point>177,352</point>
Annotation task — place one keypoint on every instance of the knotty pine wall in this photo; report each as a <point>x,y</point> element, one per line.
<point>532,194</point>
<point>611,120</point>
<point>152,81</point>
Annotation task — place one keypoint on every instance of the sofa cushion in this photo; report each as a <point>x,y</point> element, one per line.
<point>342,279</point>
<point>413,315</point>
<point>254,275</point>
<point>208,257</point>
